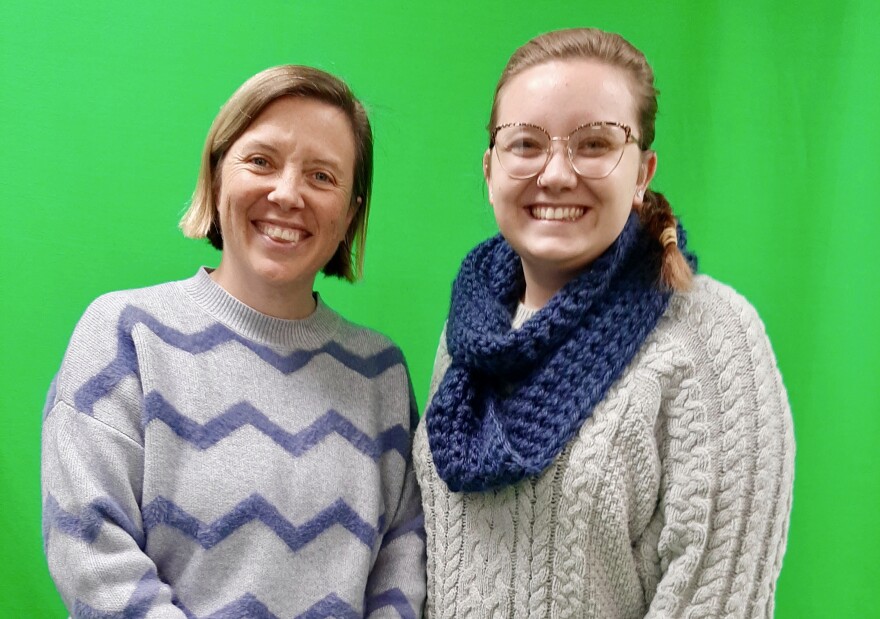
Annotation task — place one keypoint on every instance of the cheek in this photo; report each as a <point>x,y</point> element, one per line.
<point>224,208</point>
<point>340,221</point>
<point>505,193</point>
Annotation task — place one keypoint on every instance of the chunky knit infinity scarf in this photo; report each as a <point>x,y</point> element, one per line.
<point>512,399</point>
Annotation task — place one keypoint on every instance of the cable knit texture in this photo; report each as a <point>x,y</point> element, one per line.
<point>201,459</point>
<point>512,398</point>
<point>671,500</point>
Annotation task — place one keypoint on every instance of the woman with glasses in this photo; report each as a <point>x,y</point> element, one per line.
<point>608,434</point>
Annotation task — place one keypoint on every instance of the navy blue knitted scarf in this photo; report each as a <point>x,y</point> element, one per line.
<point>512,399</point>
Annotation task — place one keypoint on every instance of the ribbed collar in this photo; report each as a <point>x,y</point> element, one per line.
<point>522,315</point>
<point>313,331</point>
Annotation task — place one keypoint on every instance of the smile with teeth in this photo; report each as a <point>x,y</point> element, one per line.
<point>278,233</point>
<point>557,213</point>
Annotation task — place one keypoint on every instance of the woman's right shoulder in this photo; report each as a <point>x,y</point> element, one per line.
<point>110,306</point>
<point>112,316</point>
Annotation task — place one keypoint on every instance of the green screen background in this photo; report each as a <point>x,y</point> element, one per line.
<point>767,141</point>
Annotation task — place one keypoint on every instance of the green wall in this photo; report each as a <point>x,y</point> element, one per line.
<point>767,141</point>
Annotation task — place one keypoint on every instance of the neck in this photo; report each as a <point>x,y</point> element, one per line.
<point>286,301</point>
<point>542,284</point>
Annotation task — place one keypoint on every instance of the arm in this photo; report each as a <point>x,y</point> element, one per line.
<point>92,470</point>
<point>396,588</point>
<point>727,456</point>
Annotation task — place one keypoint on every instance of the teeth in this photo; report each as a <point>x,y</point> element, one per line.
<point>277,233</point>
<point>558,213</point>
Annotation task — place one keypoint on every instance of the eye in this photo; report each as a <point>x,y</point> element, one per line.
<point>597,141</point>
<point>522,142</point>
<point>324,178</point>
<point>593,146</point>
<point>525,147</point>
<point>596,144</point>
<point>259,161</point>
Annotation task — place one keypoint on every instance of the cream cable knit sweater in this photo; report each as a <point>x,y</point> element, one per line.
<point>673,500</point>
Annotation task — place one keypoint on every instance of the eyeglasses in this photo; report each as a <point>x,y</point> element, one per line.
<point>594,149</point>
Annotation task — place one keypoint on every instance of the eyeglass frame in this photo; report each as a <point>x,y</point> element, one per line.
<point>559,138</point>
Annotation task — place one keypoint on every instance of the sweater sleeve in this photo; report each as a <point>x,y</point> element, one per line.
<point>92,471</point>
<point>726,446</point>
<point>396,586</point>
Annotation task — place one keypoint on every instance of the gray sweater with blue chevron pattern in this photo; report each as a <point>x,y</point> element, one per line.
<point>201,459</point>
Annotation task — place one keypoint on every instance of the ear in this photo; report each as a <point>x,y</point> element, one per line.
<point>647,169</point>
<point>487,159</point>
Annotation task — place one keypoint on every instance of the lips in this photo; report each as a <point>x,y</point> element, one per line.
<point>557,213</point>
<point>281,233</point>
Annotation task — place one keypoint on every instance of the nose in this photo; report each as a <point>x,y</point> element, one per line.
<point>287,191</point>
<point>558,172</point>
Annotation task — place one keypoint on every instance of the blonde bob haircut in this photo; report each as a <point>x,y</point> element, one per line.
<point>201,218</point>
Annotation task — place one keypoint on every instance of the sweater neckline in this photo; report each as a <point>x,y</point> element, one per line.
<point>522,315</point>
<point>311,331</point>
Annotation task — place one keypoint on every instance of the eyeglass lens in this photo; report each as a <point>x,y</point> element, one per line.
<point>594,150</point>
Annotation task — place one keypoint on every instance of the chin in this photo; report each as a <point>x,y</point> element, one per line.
<point>556,252</point>
<point>278,274</point>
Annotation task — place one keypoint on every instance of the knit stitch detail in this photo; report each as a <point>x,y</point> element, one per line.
<point>513,398</point>
<point>190,435</point>
<point>672,500</point>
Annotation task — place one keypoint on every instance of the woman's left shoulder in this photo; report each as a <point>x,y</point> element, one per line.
<point>364,339</point>
<point>717,324</point>
<point>377,352</point>
<point>709,300</point>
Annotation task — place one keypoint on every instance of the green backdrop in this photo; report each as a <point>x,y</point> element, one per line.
<point>767,140</point>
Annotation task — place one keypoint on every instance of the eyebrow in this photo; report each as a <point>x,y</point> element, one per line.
<point>257,144</point>
<point>251,143</point>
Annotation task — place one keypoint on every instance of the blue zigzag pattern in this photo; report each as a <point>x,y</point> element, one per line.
<point>87,525</point>
<point>248,605</point>
<point>161,511</point>
<point>331,607</point>
<point>243,414</point>
<point>138,606</point>
<point>125,363</point>
<point>394,598</point>
<point>414,525</point>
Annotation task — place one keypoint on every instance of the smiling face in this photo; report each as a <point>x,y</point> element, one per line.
<point>284,204</point>
<point>558,222</point>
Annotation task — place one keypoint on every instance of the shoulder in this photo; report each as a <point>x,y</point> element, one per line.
<point>99,353</point>
<point>708,294</point>
<point>717,333</point>
<point>360,339</point>
<point>376,357</point>
<point>714,311</point>
<point>109,309</point>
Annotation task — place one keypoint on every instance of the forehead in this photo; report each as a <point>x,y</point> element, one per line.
<point>302,123</point>
<point>562,94</point>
